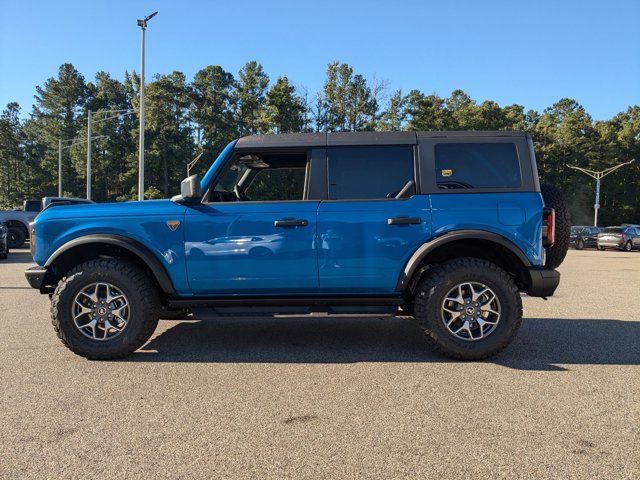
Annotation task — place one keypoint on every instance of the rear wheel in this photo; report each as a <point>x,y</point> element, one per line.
<point>468,308</point>
<point>554,198</point>
<point>628,246</point>
<point>16,237</point>
<point>105,309</point>
<point>602,249</point>
<point>579,244</point>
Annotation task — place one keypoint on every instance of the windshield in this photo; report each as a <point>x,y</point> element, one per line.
<point>613,230</point>
<point>577,229</point>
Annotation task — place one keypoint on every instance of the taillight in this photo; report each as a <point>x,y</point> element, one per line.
<point>548,226</point>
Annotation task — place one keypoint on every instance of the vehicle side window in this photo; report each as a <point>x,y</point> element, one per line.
<point>369,172</point>
<point>477,165</point>
<point>271,184</point>
<point>262,176</point>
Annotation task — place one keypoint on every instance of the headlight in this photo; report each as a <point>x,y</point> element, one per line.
<point>32,241</point>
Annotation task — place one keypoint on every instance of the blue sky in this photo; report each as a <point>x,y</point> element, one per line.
<point>531,53</point>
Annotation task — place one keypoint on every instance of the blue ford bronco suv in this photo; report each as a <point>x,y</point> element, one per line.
<point>447,227</point>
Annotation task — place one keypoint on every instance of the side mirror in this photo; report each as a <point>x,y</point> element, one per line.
<point>189,191</point>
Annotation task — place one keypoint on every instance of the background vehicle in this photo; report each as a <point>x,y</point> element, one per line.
<point>620,238</point>
<point>4,244</point>
<point>18,221</point>
<point>583,237</point>
<point>56,201</point>
<point>337,222</point>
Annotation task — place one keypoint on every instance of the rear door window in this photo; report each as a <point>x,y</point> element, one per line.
<point>369,172</point>
<point>477,165</point>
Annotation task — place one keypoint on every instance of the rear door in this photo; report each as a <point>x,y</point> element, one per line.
<point>365,234</point>
<point>483,182</point>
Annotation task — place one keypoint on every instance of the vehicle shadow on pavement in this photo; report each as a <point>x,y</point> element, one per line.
<point>18,256</point>
<point>542,343</point>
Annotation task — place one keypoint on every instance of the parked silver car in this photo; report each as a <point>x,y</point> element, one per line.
<point>620,238</point>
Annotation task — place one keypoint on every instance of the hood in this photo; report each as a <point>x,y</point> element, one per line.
<point>117,209</point>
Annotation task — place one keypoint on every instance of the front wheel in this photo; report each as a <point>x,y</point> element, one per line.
<point>628,246</point>
<point>579,245</point>
<point>468,308</point>
<point>105,309</point>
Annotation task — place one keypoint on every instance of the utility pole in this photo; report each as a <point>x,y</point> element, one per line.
<point>90,122</point>
<point>143,27</point>
<point>72,142</point>
<point>599,176</point>
<point>89,155</point>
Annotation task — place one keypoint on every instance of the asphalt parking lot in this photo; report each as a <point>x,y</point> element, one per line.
<point>331,397</point>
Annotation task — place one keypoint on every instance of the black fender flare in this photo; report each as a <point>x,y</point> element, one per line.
<point>133,246</point>
<point>430,246</point>
<point>20,222</point>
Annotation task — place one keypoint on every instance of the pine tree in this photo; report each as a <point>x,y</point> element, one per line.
<point>285,111</point>
<point>250,97</point>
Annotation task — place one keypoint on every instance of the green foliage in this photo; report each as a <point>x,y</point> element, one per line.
<point>152,193</point>
<point>284,111</point>
<point>184,118</point>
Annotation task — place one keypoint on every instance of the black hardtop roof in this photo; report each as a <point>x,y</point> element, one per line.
<point>359,138</point>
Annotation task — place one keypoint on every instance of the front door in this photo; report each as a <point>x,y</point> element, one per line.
<point>255,232</point>
<point>372,221</point>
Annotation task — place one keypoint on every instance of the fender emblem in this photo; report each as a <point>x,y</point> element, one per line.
<point>173,224</point>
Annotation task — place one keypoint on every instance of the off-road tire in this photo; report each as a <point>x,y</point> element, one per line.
<point>144,302</point>
<point>16,237</point>
<point>435,285</point>
<point>554,198</point>
<point>579,245</point>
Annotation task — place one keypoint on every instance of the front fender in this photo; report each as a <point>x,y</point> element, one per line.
<point>133,246</point>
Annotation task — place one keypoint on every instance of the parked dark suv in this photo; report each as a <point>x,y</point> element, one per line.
<point>449,227</point>
<point>583,237</point>
<point>619,238</point>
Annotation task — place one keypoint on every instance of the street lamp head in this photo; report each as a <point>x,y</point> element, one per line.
<point>143,23</point>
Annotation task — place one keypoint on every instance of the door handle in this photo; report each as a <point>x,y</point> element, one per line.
<point>291,223</point>
<point>404,221</point>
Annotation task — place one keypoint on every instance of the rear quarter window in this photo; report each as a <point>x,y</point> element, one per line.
<point>477,166</point>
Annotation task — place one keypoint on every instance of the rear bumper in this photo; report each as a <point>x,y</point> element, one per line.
<point>35,276</point>
<point>610,244</point>
<point>543,282</point>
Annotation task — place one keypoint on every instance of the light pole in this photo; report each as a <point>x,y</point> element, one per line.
<point>90,122</point>
<point>89,155</point>
<point>143,26</point>
<point>599,176</point>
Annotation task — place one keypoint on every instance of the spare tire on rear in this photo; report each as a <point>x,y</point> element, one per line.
<point>554,198</point>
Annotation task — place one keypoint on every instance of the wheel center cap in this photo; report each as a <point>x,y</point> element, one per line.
<point>471,310</point>
<point>102,311</point>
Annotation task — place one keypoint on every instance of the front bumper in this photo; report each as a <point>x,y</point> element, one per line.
<point>35,276</point>
<point>544,282</point>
